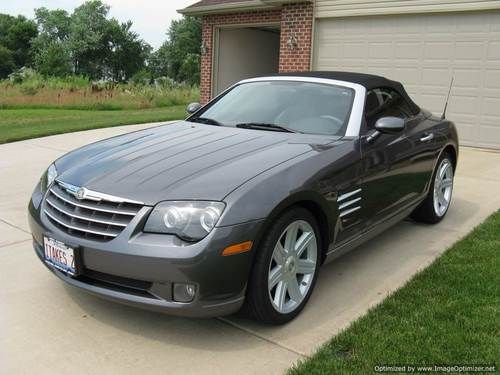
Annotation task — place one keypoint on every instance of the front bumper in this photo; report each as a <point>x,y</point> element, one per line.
<point>139,269</point>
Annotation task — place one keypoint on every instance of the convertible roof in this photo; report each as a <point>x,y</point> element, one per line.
<point>369,81</point>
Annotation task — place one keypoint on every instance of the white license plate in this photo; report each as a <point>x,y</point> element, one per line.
<point>59,255</point>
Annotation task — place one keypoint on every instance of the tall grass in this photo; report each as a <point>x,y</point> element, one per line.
<point>75,92</point>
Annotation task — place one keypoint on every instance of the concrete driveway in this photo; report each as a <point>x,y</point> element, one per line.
<point>48,327</point>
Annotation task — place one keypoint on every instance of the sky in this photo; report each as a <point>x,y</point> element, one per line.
<point>150,18</point>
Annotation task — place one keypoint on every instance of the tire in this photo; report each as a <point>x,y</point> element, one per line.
<point>435,206</point>
<point>272,295</point>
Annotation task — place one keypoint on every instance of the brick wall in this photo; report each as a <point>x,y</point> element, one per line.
<point>296,25</point>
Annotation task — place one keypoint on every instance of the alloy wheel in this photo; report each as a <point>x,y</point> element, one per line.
<point>292,266</point>
<point>443,187</point>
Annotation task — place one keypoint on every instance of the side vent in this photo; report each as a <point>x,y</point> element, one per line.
<point>349,202</point>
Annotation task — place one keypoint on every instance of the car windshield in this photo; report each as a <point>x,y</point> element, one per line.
<point>302,107</point>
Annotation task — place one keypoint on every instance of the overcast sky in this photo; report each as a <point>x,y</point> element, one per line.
<point>151,18</point>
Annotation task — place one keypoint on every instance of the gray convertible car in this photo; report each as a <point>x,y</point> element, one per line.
<point>239,205</point>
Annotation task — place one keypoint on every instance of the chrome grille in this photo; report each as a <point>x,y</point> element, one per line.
<point>96,216</point>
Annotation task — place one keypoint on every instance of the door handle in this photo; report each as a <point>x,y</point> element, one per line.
<point>428,137</point>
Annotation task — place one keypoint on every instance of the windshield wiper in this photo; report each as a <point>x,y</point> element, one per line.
<point>206,120</point>
<point>266,126</point>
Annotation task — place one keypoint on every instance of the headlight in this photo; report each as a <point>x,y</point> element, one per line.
<point>189,220</point>
<point>48,177</point>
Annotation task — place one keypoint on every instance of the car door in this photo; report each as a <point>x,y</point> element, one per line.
<point>389,182</point>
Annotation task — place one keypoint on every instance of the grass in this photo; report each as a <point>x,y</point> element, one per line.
<point>448,314</point>
<point>19,124</point>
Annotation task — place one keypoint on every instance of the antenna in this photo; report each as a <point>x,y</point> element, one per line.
<point>443,116</point>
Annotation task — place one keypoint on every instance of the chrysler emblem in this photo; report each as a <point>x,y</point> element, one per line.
<point>81,193</point>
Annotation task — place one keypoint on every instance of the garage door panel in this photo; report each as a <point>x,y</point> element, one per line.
<point>489,132</point>
<point>491,107</point>
<point>469,50</point>
<point>436,77</point>
<point>467,78</point>
<point>409,50</point>
<point>494,50</point>
<point>424,52</point>
<point>492,80</point>
<point>465,105</point>
<point>438,50</point>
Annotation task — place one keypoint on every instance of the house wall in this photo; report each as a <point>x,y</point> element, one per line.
<point>295,20</point>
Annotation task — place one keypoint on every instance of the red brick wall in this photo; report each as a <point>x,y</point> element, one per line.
<point>296,22</point>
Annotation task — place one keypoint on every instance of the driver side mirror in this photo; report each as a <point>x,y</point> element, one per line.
<point>390,125</point>
<point>193,107</point>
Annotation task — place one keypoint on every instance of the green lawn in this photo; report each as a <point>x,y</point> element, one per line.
<point>449,314</point>
<point>18,124</point>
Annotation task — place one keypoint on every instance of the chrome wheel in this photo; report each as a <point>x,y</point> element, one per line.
<point>292,266</point>
<point>443,187</point>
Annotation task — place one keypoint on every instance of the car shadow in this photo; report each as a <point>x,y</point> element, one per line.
<point>194,333</point>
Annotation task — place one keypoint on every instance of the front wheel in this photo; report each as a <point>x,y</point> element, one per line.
<point>286,268</point>
<point>436,204</point>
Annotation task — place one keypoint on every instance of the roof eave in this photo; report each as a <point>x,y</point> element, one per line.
<point>240,6</point>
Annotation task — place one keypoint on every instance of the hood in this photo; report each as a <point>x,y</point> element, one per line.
<point>180,161</point>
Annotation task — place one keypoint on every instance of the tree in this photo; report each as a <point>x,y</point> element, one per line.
<point>88,38</point>
<point>7,64</point>
<point>53,60</point>
<point>179,56</point>
<point>87,43</point>
<point>127,53</point>
<point>15,35</point>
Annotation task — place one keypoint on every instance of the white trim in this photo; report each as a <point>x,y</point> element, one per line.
<point>358,8</point>
<point>354,124</point>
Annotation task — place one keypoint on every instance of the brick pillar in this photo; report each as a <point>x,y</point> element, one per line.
<point>296,37</point>
<point>206,60</point>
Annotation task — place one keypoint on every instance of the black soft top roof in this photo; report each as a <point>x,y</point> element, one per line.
<point>369,81</point>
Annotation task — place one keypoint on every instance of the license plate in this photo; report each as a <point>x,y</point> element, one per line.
<point>60,256</point>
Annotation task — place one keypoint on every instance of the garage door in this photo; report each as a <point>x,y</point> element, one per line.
<point>423,52</point>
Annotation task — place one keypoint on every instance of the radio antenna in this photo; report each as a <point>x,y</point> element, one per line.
<point>443,116</point>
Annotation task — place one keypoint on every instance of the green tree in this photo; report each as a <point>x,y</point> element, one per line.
<point>179,56</point>
<point>87,43</point>
<point>127,54</point>
<point>7,64</point>
<point>53,60</point>
<point>16,34</point>
<point>88,38</point>
<point>52,56</point>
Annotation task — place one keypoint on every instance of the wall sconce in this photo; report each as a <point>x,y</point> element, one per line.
<point>204,48</point>
<point>292,42</point>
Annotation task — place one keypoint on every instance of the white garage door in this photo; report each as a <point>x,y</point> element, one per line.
<point>423,52</point>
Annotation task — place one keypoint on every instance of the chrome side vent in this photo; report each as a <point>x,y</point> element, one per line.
<point>349,202</point>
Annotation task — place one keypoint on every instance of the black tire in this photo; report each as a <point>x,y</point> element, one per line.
<point>426,212</point>
<point>258,300</point>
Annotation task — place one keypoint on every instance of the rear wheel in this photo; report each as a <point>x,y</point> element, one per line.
<point>286,268</point>
<point>436,204</point>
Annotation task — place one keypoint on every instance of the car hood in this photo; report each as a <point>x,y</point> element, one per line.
<point>181,161</point>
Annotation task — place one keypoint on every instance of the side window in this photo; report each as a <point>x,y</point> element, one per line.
<point>382,102</point>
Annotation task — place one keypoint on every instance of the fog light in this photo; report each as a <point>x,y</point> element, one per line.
<point>184,292</point>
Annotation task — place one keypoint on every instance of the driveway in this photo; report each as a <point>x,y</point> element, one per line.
<point>54,329</point>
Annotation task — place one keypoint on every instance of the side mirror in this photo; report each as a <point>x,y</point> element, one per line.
<point>390,125</point>
<point>193,107</point>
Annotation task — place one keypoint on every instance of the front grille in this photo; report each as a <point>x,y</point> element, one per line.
<point>99,217</point>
